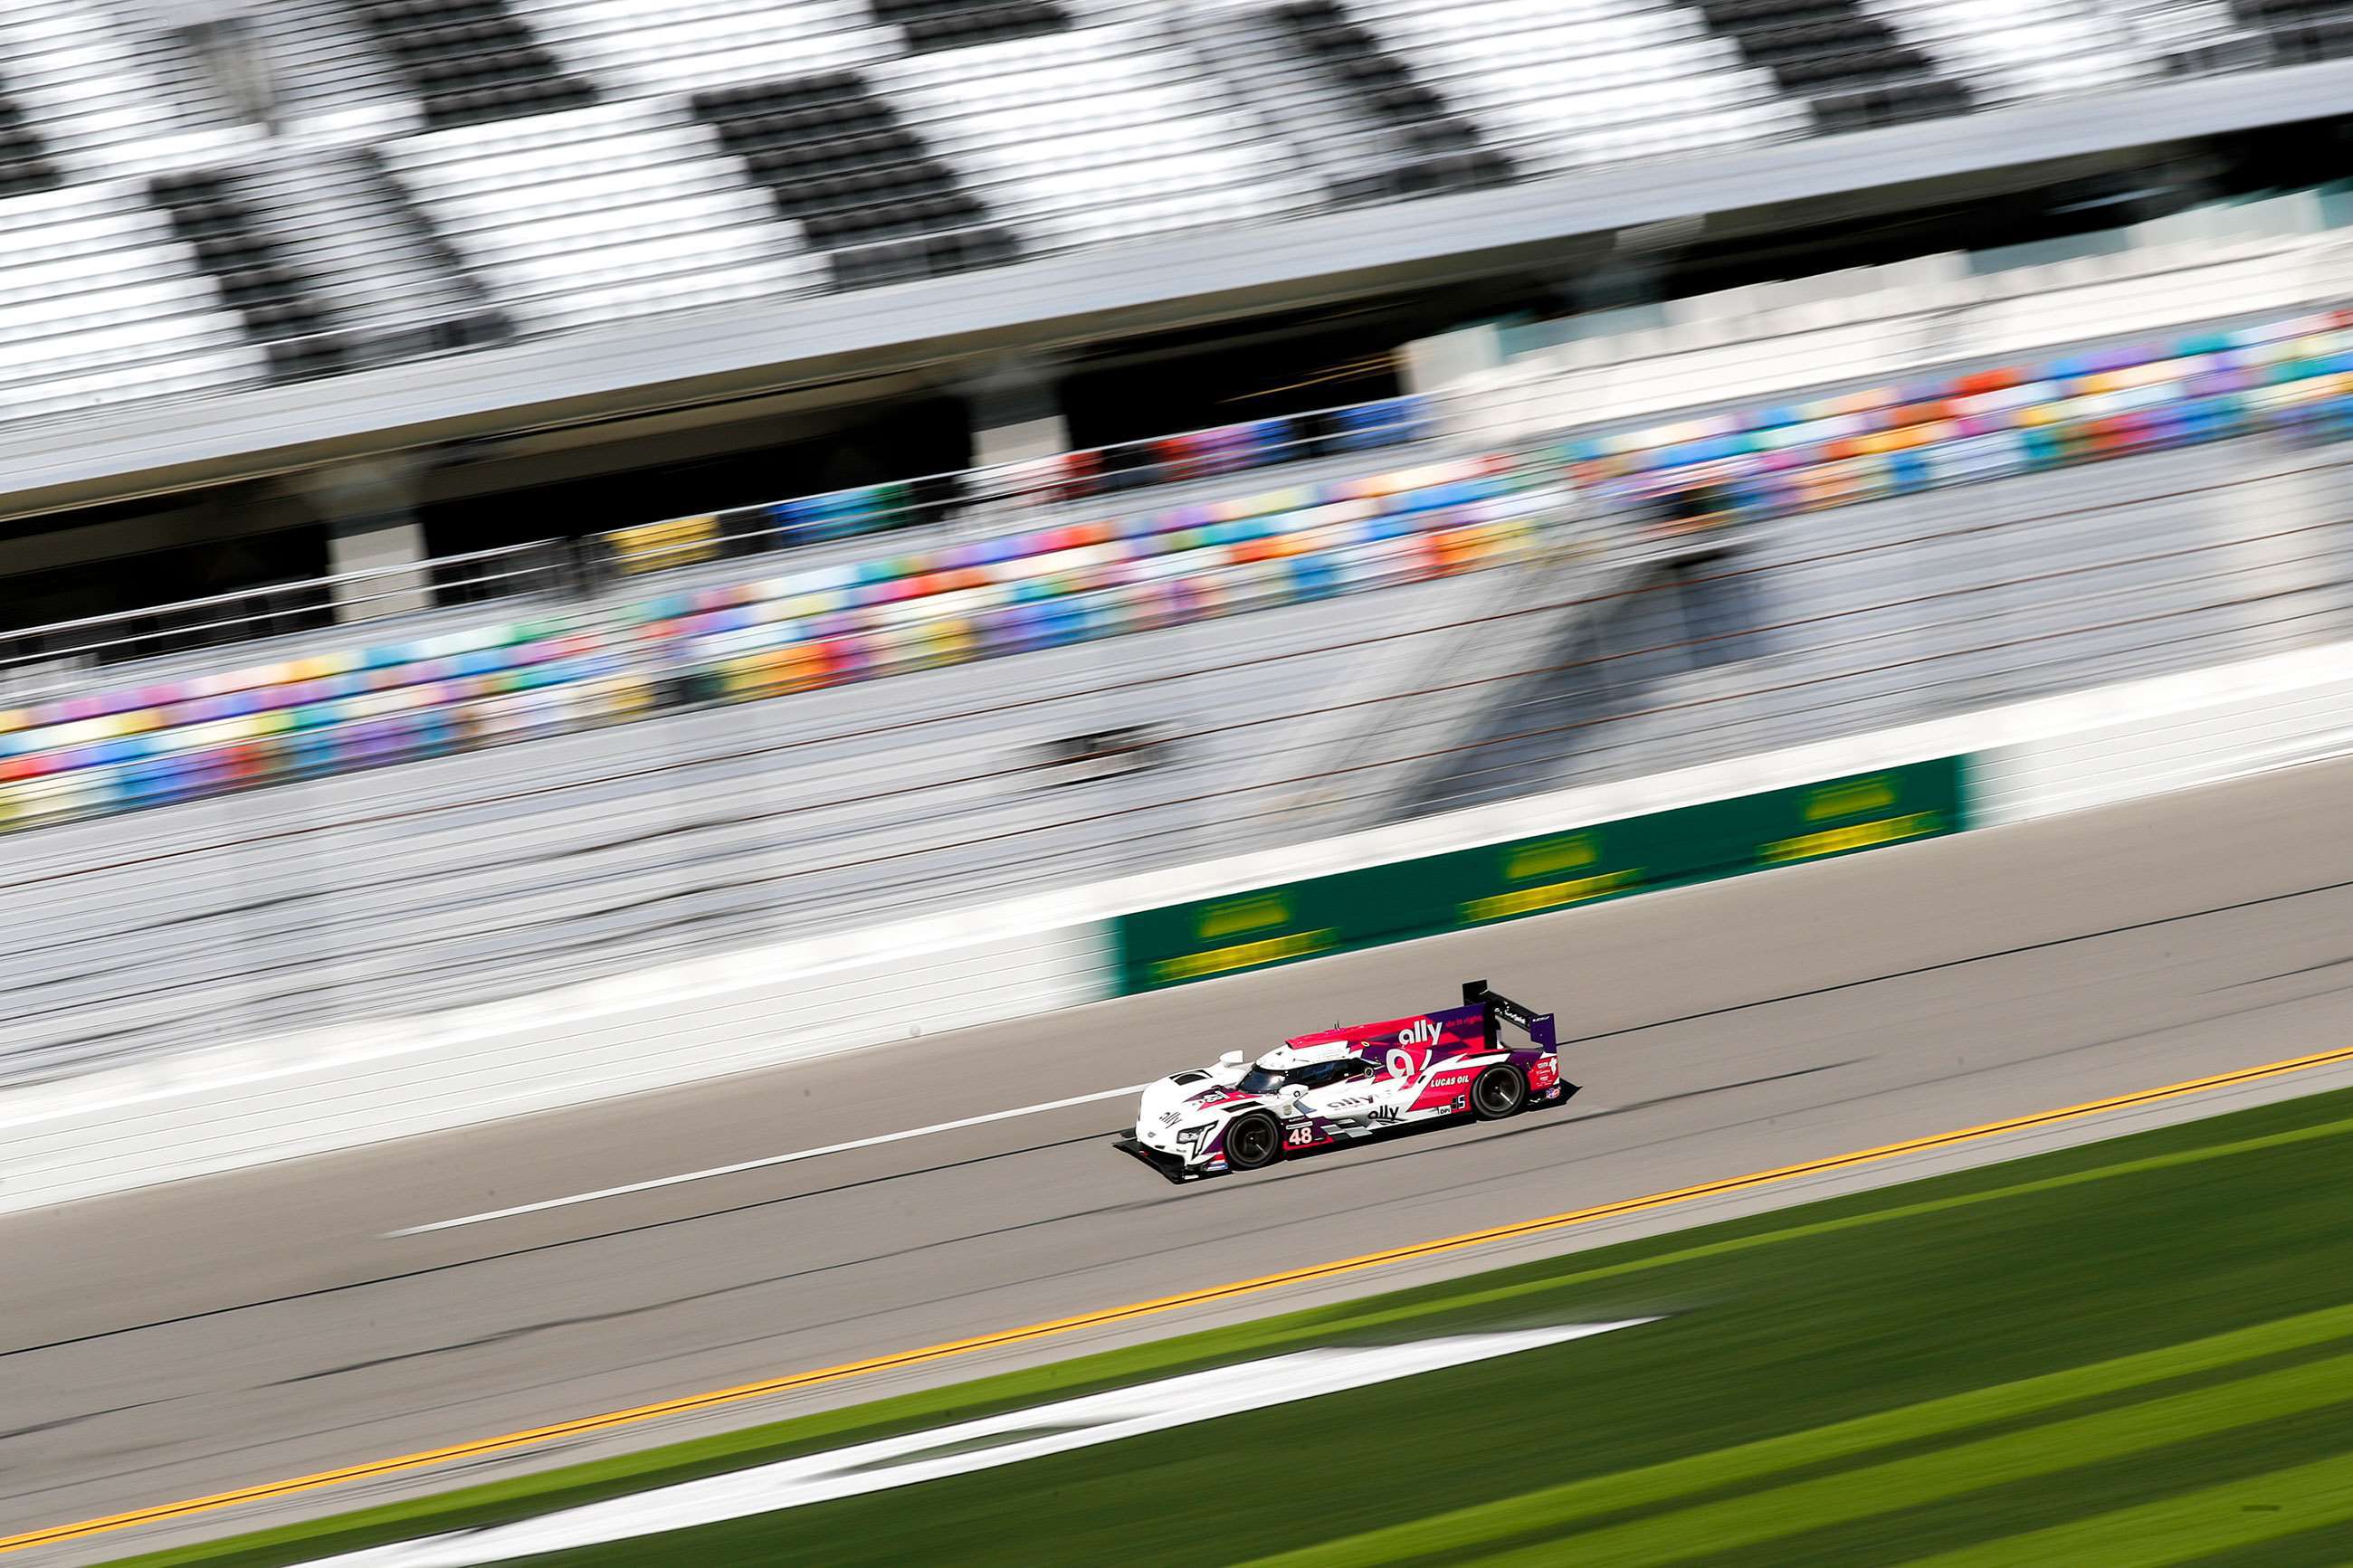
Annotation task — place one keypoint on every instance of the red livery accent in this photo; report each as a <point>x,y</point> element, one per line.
<point>1357,1081</point>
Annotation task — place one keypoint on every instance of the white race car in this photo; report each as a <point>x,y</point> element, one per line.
<point>1347,1083</point>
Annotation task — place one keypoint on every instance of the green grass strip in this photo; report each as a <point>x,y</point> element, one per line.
<point>571,1485</point>
<point>1973,1466</point>
<point>1824,1227</point>
<point>1457,1303</point>
<point>2180,1529</point>
<point>1560,1507</point>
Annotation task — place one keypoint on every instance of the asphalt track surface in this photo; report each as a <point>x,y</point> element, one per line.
<point>241,1330</point>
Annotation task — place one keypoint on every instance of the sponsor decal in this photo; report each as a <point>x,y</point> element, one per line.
<point>1234,916</point>
<point>1244,955</point>
<point>1850,798</point>
<point>1859,836</point>
<point>1545,856</point>
<point>1552,895</point>
<point>1415,1044</point>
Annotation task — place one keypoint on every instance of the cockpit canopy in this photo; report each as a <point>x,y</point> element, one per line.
<point>1265,1080</point>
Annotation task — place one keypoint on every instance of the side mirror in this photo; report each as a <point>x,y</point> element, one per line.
<point>1231,1060</point>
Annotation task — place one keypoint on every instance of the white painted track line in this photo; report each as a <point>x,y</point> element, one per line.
<point>681,1180</point>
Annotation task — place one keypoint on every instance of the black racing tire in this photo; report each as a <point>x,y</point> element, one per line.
<point>1253,1142</point>
<point>1500,1091</point>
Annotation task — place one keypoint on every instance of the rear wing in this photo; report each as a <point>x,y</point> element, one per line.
<point>1500,1010</point>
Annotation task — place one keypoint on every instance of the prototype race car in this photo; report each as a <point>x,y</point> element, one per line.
<point>1348,1083</point>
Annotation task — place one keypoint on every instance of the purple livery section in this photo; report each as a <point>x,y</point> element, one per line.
<point>1356,1081</point>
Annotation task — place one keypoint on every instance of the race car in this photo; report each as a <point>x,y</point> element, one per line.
<point>1348,1083</point>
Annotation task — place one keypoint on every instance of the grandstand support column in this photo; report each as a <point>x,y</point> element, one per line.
<point>1626,276</point>
<point>1015,408</point>
<point>369,506</point>
<point>1430,365</point>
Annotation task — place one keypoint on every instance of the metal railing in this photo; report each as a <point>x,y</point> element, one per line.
<point>1888,333</point>
<point>726,827</point>
<point>64,658</point>
<point>974,501</point>
<point>61,657</point>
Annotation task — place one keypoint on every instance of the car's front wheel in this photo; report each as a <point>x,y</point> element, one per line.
<point>1253,1140</point>
<point>1500,1092</point>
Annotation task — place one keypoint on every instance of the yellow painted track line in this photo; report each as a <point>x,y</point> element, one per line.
<point>587,1424</point>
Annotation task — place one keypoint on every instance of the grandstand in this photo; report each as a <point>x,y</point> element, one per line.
<point>833,711</point>
<point>321,191</point>
<point>146,735</point>
<point>565,556</point>
<point>582,160</point>
<point>406,282</point>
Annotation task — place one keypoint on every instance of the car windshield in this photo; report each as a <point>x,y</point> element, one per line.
<point>1261,1081</point>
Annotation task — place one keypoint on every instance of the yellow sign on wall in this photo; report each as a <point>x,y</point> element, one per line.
<point>674,541</point>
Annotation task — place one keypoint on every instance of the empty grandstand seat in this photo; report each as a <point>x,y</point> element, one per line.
<point>958,24</point>
<point>1888,439</point>
<point>836,158</point>
<point>1097,134</point>
<point>2301,29</point>
<point>843,143</point>
<point>471,61</point>
<point>359,706</point>
<point>602,213</point>
<point>181,738</point>
<point>1820,47</point>
<point>25,165</point>
<point>1563,84</point>
<point>80,81</point>
<point>102,302</point>
<point>2023,48</point>
<point>688,46</point>
<point>229,237</point>
<point>2189,36</point>
<point>1428,147</point>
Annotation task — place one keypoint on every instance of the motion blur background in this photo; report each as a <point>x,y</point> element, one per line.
<point>554,550</point>
<point>506,491</point>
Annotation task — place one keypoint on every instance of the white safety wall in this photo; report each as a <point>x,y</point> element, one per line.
<point>308,1092</point>
<point>2161,735</point>
<point>205,1112</point>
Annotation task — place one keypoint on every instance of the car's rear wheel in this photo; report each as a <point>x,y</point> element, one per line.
<point>1500,1092</point>
<point>1253,1140</point>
